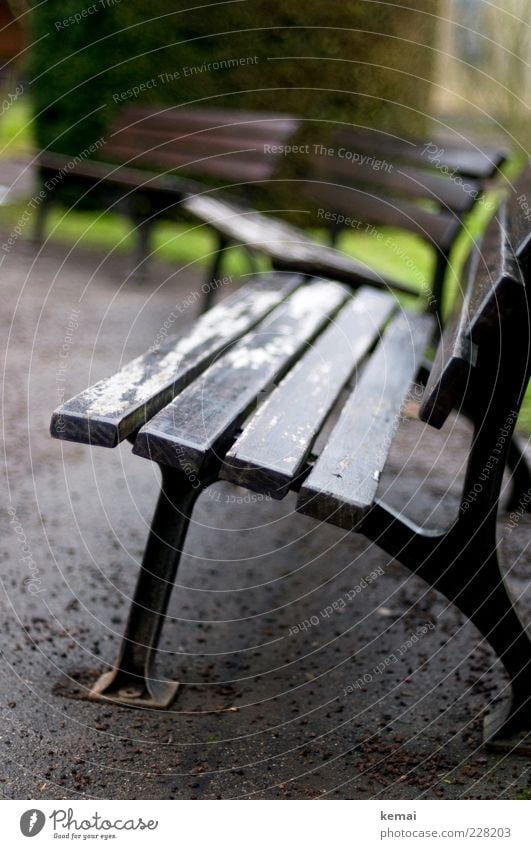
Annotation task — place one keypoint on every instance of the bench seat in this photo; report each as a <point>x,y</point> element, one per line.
<point>117,406</point>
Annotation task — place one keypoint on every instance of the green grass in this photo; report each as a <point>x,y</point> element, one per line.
<point>524,794</point>
<point>400,255</point>
<point>16,131</point>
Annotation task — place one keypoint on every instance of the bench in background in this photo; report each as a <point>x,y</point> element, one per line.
<point>412,192</point>
<point>240,151</point>
<point>420,186</point>
<point>217,146</point>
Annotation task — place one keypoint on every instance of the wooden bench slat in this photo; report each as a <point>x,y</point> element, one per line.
<point>489,291</point>
<point>115,407</point>
<point>276,441</point>
<point>440,228</point>
<point>208,140</point>
<point>492,278</point>
<point>119,175</point>
<point>232,166</point>
<point>468,160</point>
<point>200,424</point>
<point>223,121</point>
<point>479,164</point>
<point>224,144</point>
<point>401,180</point>
<point>289,248</point>
<point>190,149</point>
<point>342,485</point>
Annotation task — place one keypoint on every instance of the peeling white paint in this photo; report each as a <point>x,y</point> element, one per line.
<point>135,383</point>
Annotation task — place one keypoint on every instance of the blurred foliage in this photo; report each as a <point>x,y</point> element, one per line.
<point>355,61</point>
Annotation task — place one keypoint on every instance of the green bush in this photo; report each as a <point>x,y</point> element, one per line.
<point>344,61</point>
<point>323,61</point>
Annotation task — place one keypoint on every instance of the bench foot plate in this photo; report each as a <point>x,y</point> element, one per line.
<point>114,687</point>
<point>505,732</point>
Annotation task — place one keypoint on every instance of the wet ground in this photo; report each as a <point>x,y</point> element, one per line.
<point>266,710</point>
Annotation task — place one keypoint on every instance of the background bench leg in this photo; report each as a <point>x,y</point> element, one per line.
<point>254,267</point>
<point>41,213</point>
<point>142,242</point>
<point>209,289</point>
<point>132,681</point>
<point>334,232</point>
<point>437,291</point>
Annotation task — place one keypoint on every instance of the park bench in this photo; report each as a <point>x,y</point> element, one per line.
<point>214,145</point>
<point>288,248</point>
<point>245,393</point>
<point>364,178</point>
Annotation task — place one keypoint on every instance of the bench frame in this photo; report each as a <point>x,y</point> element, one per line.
<point>461,561</point>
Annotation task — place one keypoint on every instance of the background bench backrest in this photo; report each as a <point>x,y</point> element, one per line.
<point>463,157</point>
<point>215,143</point>
<point>493,296</point>
<point>390,181</point>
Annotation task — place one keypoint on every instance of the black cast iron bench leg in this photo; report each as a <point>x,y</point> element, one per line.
<point>142,227</point>
<point>132,681</point>
<point>462,562</point>
<point>209,287</point>
<point>41,214</point>
<point>210,283</point>
<point>469,575</point>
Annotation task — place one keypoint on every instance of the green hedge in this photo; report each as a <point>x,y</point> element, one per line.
<point>326,62</point>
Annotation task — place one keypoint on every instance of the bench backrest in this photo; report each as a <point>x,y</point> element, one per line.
<point>385,180</point>
<point>211,143</point>
<point>464,157</point>
<point>491,313</point>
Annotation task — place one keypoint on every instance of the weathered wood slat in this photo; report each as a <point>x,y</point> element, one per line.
<point>191,147</point>
<point>117,175</point>
<point>210,139</point>
<point>489,289</point>
<point>492,278</point>
<point>196,429</point>
<point>342,485</point>
<point>223,144</point>
<point>440,228</point>
<point>289,248</point>
<point>233,165</point>
<point>112,409</point>
<point>401,180</point>
<point>276,441</point>
<point>467,159</point>
<point>222,121</point>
